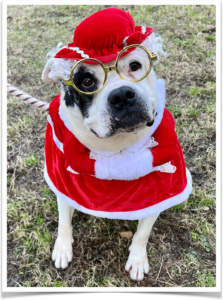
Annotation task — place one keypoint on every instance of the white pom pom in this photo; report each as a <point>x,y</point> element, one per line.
<point>154,44</point>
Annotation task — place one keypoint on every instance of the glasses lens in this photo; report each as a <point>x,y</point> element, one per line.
<point>133,65</point>
<point>89,76</point>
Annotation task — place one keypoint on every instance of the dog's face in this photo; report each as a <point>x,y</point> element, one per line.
<point>121,106</point>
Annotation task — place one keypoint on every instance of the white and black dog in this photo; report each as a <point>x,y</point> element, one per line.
<point>117,126</point>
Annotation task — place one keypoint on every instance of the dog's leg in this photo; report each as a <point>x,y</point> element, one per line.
<point>138,262</point>
<point>62,253</point>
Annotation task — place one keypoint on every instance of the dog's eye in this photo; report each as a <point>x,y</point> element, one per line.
<point>134,66</point>
<point>87,82</point>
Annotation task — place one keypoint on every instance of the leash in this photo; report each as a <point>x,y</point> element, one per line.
<point>44,106</point>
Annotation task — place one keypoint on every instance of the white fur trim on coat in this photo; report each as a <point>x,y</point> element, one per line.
<point>129,215</point>
<point>63,118</point>
<point>56,140</point>
<point>140,146</point>
<point>160,105</point>
<point>125,168</point>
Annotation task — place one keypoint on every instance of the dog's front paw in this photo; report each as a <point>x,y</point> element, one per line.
<point>62,253</point>
<point>137,263</point>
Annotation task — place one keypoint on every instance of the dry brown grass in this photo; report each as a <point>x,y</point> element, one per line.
<point>181,248</point>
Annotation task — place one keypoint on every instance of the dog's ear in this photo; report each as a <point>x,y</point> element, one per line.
<point>55,66</point>
<point>46,71</point>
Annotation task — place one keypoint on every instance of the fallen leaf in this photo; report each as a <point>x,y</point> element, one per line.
<point>205,208</point>
<point>61,22</point>
<point>126,234</point>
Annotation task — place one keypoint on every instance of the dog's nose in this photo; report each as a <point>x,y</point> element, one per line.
<point>121,97</point>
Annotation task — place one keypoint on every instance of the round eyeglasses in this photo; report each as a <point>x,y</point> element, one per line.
<point>88,76</point>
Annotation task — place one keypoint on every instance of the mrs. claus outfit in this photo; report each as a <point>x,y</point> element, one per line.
<point>83,178</point>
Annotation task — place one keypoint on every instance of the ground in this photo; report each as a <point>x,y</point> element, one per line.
<point>181,248</point>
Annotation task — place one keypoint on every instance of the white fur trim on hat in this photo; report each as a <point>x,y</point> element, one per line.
<point>154,44</point>
<point>76,49</point>
<point>124,42</point>
<point>143,28</point>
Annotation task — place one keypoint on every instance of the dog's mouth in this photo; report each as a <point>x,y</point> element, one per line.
<point>95,133</point>
<point>128,129</point>
<point>138,127</point>
<point>133,125</point>
<point>133,129</point>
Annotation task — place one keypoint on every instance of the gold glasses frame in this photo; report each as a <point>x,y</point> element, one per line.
<point>69,81</point>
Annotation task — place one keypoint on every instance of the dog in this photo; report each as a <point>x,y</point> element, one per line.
<point>111,149</point>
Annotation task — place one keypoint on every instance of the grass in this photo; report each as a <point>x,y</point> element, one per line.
<point>59,284</point>
<point>184,43</point>
<point>210,37</point>
<point>83,7</point>
<point>192,111</point>
<point>206,280</point>
<point>32,160</point>
<point>182,241</point>
<point>174,110</point>
<point>177,207</point>
<point>194,91</point>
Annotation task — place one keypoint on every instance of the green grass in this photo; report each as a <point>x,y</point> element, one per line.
<point>211,53</point>
<point>83,7</point>
<point>47,193</point>
<point>193,112</point>
<point>32,160</point>
<point>206,280</point>
<point>211,107</point>
<point>210,37</point>
<point>27,284</point>
<point>59,284</point>
<point>200,199</point>
<point>206,20</point>
<point>28,120</point>
<point>194,91</point>
<point>184,43</point>
<point>148,7</point>
<point>177,207</point>
<point>134,225</point>
<point>194,15</point>
<point>175,110</point>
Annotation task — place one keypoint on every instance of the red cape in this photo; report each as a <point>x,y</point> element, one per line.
<point>72,174</point>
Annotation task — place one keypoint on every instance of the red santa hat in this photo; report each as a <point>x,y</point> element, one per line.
<point>103,35</point>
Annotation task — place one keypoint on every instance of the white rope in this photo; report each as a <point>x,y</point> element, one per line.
<point>27,98</point>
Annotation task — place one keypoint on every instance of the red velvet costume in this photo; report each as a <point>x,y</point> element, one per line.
<point>141,180</point>
<point>102,36</point>
<point>72,173</point>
